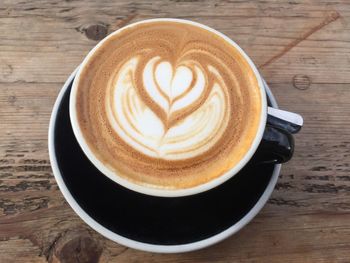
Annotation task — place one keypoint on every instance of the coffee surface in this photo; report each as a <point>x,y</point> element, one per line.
<point>168,105</point>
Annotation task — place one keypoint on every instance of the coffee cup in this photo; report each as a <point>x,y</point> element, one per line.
<point>202,123</point>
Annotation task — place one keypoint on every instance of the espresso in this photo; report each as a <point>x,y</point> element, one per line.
<point>168,105</point>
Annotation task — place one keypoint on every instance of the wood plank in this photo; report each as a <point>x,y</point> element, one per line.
<point>301,48</point>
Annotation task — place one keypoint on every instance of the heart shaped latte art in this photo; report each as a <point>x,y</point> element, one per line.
<point>172,112</point>
<point>173,89</point>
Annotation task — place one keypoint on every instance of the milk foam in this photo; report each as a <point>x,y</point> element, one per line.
<point>173,90</point>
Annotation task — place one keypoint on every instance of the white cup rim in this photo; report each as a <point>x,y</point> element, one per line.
<point>136,244</point>
<point>168,192</point>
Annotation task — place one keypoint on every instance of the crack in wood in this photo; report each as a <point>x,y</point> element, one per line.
<point>11,207</point>
<point>26,185</point>
<point>7,161</point>
<point>333,16</point>
<point>343,177</point>
<point>48,252</point>
<point>317,177</point>
<point>290,176</point>
<point>320,168</point>
<point>34,161</point>
<point>120,253</point>
<point>25,168</point>
<point>283,202</point>
<point>126,20</point>
<point>284,186</point>
<point>326,188</point>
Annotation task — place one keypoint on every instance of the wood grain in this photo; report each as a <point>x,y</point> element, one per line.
<point>301,48</point>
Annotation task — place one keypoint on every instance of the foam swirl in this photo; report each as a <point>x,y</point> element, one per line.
<point>168,104</point>
<point>194,113</point>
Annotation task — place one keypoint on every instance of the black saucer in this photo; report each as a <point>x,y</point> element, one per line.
<point>146,219</point>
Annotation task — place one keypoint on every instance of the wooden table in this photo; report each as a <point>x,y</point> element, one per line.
<point>302,48</point>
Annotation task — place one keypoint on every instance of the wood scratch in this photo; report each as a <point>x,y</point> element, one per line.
<point>329,19</point>
<point>126,20</point>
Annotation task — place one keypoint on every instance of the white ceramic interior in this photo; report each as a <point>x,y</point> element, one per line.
<point>167,192</point>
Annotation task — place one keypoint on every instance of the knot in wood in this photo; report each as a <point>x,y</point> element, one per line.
<point>77,247</point>
<point>301,82</point>
<point>96,32</point>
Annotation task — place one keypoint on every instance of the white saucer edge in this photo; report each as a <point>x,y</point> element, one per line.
<point>136,244</point>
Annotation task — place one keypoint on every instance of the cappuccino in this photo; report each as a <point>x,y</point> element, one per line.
<point>168,105</point>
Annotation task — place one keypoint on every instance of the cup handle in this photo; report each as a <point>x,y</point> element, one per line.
<point>277,144</point>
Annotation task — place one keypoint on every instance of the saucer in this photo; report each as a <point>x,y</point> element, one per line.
<point>156,224</point>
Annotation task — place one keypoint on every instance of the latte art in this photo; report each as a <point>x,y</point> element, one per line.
<point>167,105</point>
<point>183,114</point>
